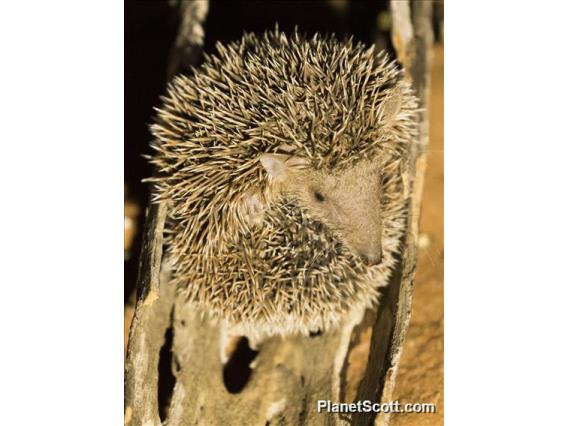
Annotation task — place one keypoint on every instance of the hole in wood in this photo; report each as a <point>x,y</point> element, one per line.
<point>316,333</point>
<point>166,379</point>
<point>237,371</point>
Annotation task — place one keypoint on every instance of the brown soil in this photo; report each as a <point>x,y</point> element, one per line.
<point>421,371</point>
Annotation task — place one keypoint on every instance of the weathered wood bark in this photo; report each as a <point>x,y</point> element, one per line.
<point>289,375</point>
<point>151,319</point>
<point>187,47</point>
<point>155,298</point>
<point>412,37</point>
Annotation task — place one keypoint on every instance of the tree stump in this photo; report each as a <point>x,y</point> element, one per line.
<point>284,377</point>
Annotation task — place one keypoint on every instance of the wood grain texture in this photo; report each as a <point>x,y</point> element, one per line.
<point>151,319</point>
<point>412,36</point>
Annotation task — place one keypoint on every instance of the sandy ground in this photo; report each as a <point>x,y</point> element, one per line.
<point>421,371</point>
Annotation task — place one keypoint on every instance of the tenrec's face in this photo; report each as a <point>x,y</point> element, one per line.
<point>349,203</point>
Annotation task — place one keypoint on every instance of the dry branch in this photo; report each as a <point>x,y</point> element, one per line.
<point>412,37</point>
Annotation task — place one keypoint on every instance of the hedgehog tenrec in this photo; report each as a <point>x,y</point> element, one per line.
<point>281,159</point>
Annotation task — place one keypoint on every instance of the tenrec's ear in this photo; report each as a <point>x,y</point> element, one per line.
<point>281,166</point>
<point>391,106</point>
<point>274,164</point>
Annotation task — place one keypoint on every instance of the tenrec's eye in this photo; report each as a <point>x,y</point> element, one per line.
<point>319,197</point>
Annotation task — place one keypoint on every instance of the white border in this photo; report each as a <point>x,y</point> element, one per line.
<point>506,213</point>
<point>61,174</point>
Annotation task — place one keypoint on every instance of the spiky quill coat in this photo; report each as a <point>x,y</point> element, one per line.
<point>320,99</point>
